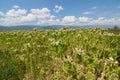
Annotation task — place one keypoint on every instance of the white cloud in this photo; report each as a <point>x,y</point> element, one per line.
<point>18,20</point>
<point>85,19</point>
<point>20,16</point>
<point>94,7</point>
<point>98,21</point>
<point>10,21</point>
<point>104,21</point>
<point>69,20</point>
<point>1,13</point>
<point>18,12</point>
<point>101,18</point>
<point>49,22</point>
<point>30,17</point>
<point>41,13</point>
<point>16,7</point>
<point>58,8</point>
<point>13,17</point>
<point>43,16</point>
<point>87,12</point>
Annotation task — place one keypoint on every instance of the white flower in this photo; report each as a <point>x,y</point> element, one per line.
<point>79,35</point>
<point>27,45</point>
<point>110,58</point>
<point>116,62</point>
<point>43,36</point>
<point>68,58</point>
<point>51,39</point>
<point>79,51</point>
<point>55,43</point>
<point>105,63</point>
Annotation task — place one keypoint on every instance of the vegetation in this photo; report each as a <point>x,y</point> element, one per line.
<point>65,54</point>
<point>115,30</point>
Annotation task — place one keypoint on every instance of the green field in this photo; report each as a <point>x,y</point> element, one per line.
<point>64,54</point>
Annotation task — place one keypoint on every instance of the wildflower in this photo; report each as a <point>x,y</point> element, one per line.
<point>38,46</point>
<point>105,63</point>
<point>76,50</point>
<point>108,34</point>
<point>79,51</point>
<point>116,62</point>
<point>68,58</point>
<point>51,39</point>
<point>21,57</point>
<point>28,45</point>
<point>43,36</point>
<point>15,50</point>
<point>8,43</point>
<point>110,58</point>
<point>79,35</point>
<point>55,43</point>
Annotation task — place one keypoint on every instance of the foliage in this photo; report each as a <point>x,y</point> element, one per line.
<point>64,54</point>
<point>115,29</point>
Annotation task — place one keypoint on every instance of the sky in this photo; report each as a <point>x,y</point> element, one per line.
<point>59,12</point>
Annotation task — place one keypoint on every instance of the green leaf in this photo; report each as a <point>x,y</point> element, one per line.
<point>79,58</point>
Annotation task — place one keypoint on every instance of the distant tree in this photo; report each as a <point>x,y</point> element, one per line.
<point>116,27</point>
<point>34,29</point>
<point>66,27</point>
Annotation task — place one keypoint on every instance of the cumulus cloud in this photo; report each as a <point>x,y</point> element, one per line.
<point>69,19</point>
<point>41,13</point>
<point>49,22</point>
<point>10,21</point>
<point>28,18</point>
<point>58,8</point>
<point>21,16</point>
<point>13,17</point>
<point>99,21</point>
<point>1,13</point>
<point>85,19</point>
<point>18,12</point>
<point>103,20</point>
<point>43,16</point>
<point>87,12</point>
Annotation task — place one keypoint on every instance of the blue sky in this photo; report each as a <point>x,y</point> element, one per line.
<point>59,12</point>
